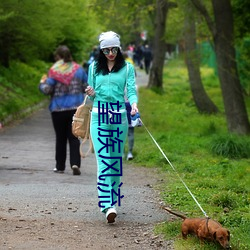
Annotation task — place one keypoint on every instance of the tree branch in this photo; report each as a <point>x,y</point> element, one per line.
<point>202,9</point>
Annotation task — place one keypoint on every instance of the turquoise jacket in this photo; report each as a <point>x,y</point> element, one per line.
<point>110,88</point>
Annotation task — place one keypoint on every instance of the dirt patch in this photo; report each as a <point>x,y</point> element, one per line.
<point>50,234</point>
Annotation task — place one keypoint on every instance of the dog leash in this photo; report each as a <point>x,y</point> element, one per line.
<point>174,169</point>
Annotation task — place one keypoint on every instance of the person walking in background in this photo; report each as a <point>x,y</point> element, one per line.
<point>108,78</point>
<point>65,84</point>
<point>147,54</point>
<point>130,133</point>
<point>93,55</point>
<point>127,57</point>
<point>128,108</point>
<point>138,52</point>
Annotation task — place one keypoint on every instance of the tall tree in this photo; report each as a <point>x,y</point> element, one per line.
<point>223,38</point>
<point>201,99</point>
<point>159,44</point>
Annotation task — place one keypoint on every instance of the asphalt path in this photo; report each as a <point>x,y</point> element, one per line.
<point>26,164</point>
<point>31,190</point>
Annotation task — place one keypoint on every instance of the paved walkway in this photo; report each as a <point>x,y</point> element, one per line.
<point>27,158</point>
<point>141,78</point>
<point>26,163</point>
<point>29,189</point>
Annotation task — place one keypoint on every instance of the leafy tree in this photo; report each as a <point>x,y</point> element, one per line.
<point>201,99</point>
<point>28,33</point>
<point>126,17</point>
<point>175,24</point>
<point>156,72</point>
<point>78,29</point>
<point>22,35</point>
<point>221,28</point>
<point>134,18</point>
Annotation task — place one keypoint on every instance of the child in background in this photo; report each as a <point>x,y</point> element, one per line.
<point>128,108</point>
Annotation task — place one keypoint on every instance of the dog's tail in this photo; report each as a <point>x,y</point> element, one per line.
<point>175,213</point>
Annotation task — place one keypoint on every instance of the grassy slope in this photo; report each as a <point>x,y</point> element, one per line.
<point>19,88</point>
<point>220,184</point>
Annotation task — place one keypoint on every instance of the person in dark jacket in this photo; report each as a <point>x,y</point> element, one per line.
<point>147,54</point>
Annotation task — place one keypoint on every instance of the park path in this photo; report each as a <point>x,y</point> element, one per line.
<point>43,210</point>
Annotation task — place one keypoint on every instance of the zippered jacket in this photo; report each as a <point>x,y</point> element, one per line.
<point>110,88</point>
<point>65,96</point>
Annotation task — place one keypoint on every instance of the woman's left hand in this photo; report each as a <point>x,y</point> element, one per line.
<point>134,109</point>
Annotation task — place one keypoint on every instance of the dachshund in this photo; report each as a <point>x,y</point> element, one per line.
<point>204,229</point>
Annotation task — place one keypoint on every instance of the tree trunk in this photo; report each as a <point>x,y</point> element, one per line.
<point>223,38</point>
<point>201,99</point>
<point>159,47</point>
<point>235,109</point>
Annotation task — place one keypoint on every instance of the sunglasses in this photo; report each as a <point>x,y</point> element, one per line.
<point>106,51</point>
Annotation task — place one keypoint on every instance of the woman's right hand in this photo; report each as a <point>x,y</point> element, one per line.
<point>90,91</point>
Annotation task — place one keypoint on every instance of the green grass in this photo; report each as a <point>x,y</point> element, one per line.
<point>19,88</point>
<point>214,164</point>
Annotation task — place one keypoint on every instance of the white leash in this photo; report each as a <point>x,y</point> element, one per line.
<point>174,169</point>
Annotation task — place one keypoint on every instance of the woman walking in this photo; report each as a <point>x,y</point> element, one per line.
<point>65,84</point>
<point>108,78</point>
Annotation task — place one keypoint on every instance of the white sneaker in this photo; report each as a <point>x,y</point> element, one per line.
<point>129,156</point>
<point>58,171</point>
<point>111,214</point>
<point>76,170</point>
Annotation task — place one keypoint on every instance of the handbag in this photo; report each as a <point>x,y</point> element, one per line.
<point>81,126</point>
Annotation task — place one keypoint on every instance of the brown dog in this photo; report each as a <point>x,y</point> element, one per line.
<point>204,229</point>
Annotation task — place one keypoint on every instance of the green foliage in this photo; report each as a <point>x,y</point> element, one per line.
<point>128,18</point>
<point>175,25</point>
<point>243,59</point>
<point>19,87</point>
<point>231,146</point>
<point>29,33</point>
<point>241,17</point>
<point>175,28</point>
<point>219,183</point>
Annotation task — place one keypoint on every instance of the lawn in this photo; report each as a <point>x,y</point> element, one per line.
<point>199,151</point>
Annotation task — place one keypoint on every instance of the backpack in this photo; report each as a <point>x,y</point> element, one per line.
<point>81,125</point>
